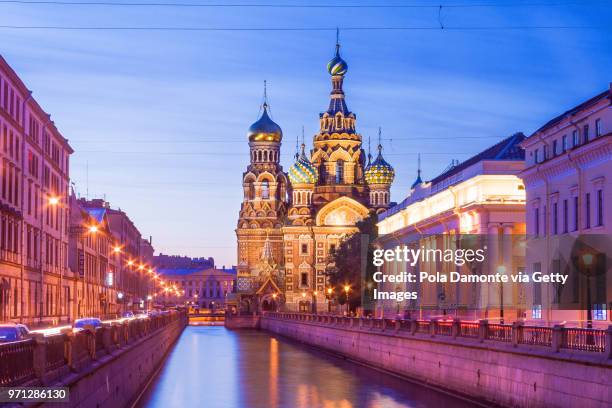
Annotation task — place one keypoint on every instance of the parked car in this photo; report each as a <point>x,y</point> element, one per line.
<point>128,315</point>
<point>152,312</point>
<point>13,332</point>
<point>142,315</point>
<point>87,321</point>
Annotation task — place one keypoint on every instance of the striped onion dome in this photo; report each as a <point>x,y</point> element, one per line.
<point>337,66</point>
<point>379,171</point>
<point>302,171</point>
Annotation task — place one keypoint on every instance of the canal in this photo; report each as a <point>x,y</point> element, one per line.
<point>214,367</point>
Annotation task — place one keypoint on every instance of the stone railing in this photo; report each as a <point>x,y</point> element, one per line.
<point>41,360</point>
<point>555,338</point>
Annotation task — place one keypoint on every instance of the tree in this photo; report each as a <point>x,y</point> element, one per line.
<point>351,263</point>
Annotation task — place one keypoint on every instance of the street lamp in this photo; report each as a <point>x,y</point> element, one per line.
<point>347,288</point>
<point>587,258</point>
<point>329,299</point>
<point>501,269</point>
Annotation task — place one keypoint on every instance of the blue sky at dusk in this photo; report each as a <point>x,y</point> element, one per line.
<point>159,118</point>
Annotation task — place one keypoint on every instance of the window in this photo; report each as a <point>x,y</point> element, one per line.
<point>536,156</point>
<point>544,221</point>
<point>555,218</point>
<point>536,221</point>
<point>545,152</point>
<point>576,213</point>
<point>536,311</point>
<point>599,208</point>
<point>304,279</point>
<point>598,130</point>
<point>332,248</point>
<point>304,249</point>
<point>265,190</point>
<point>565,225</point>
<point>585,133</point>
<point>600,312</point>
<point>564,143</point>
<point>555,146</point>
<point>575,138</point>
<point>587,210</point>
<point>339,171</point>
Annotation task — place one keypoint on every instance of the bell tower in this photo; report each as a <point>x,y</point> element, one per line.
<point>264,203</point>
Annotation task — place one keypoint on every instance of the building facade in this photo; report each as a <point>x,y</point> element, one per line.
<point>110,259</point>
<point>568,182</point>
<point>477,203</point>
<point>36,284</point>
<point>290,222</point>
<point>209,288</point>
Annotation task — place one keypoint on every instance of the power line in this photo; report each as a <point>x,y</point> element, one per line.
<point>291,6</point>
<point>311,29</point>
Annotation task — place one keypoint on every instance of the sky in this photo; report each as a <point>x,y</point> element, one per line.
<point>158,118</point>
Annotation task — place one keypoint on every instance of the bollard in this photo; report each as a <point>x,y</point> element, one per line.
<point>517,333</point>
<point>413,327</point>
<point>609,342</point>
<point>398,325</point>
<point>456,328</point>
<point>40,357</point>
<point>557,337</point>
<point>107,339</point>
<point>482,329</point>
<point>432,327</point>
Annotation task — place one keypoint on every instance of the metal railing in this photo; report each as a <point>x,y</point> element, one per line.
<point>553,338</point>
<point>584,339</point>
<point>16,362</point>
<point>21,362</point>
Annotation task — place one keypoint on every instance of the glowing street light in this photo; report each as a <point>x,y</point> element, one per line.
<point>93,229</point>
<point>54,201</point>
<point>141,267</point>
<point>117,249</point>
<point>130,262</point>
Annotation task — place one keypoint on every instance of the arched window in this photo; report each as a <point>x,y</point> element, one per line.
<point>339,172</point>
<point>251,191</point>
<point>265,190</point>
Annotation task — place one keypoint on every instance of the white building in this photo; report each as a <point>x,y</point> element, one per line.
<point>568,177</point>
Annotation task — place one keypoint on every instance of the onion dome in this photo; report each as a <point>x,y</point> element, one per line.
<point>379,171</point>
<point>337,66</point>
<point>302,171</point>
<point>265,129</point>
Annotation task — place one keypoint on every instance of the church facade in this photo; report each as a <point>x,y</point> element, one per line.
<point>291,222</point>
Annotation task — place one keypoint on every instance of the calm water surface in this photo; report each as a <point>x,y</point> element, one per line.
<point>213,367</point>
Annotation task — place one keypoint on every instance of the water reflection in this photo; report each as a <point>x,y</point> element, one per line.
<point>214,367</point>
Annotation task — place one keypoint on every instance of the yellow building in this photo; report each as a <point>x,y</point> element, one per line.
<point>290,222</point>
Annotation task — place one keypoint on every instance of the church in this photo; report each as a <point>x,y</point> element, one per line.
<point>290,222</point>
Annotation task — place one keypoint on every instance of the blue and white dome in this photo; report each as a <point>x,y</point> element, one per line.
<point>302,171</point>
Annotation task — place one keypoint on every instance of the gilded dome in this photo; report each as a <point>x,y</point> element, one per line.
<point>302,171</point>
<point>265,129</point>
<point>337,66</point>
<point>379,171</point>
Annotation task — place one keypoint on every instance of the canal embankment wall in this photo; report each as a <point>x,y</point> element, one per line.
<point>490,372</point>
<point>107,367</point>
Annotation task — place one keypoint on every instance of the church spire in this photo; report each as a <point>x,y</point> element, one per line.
<point>418,179</point>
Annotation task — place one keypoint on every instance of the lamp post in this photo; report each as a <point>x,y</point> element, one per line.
<point>588,261</point>
<point>501,269</point>
<point>347,288</point>
<point>329,298</point>
<point>314,302</point>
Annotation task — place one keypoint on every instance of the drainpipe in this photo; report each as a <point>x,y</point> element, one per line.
<point>580,186</point>
<point>23,155</point>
